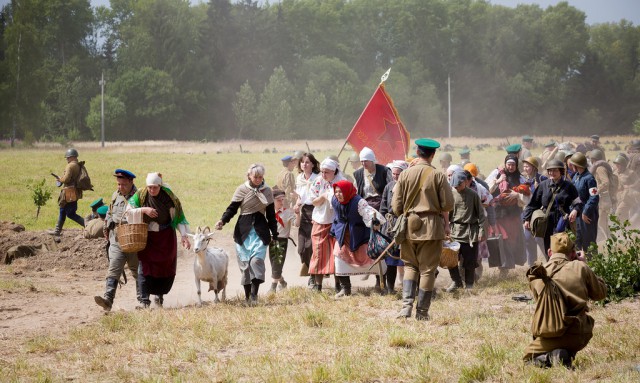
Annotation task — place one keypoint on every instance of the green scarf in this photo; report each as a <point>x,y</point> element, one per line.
<point>140,197</point>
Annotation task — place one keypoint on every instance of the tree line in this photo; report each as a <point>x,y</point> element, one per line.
<point>306,68</point>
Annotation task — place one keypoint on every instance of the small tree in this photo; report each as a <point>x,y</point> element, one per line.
<point>619,264</point>
<point>40,194</point>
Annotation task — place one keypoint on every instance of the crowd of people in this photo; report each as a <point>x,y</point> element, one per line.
<point>336,213</point>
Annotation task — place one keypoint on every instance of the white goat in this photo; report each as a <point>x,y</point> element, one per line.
<point>210,265</point>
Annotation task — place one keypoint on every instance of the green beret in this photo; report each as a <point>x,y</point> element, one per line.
<point>527,138</point>
<point>515,148</point>
<point>428,143</point>
<point>464,152</point>
<point>102,210</point>
<point>97,203</point>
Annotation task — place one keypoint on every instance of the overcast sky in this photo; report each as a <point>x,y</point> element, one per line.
<point>597,11</point>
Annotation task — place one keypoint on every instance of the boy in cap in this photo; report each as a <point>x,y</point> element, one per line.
<point>278,247</point>
<point>424,195</point>
<point>575,280</point>
<point>94,228</point>
<point>118,258</point>
<point>287,182</point>
<point>467,223</point>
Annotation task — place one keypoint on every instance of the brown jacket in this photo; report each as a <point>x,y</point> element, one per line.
<point>69,179</point>
<point>287,183</point>
<point>425,221</point>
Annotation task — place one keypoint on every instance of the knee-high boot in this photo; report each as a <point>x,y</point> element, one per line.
<point>247,292</point>
<point>469,277</point>
<point>456,280</point>
<point>408,297</point>
<point>145,301</point>
<point>255,286</point>
<point>106,301</point>
<point>422,307</point>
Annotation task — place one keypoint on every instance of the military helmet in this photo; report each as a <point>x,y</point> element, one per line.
<point>635,144</point>
<point>554,164</point>
<point>560,155</point>
<point>533,161</point>
<point>578,159</point>
<point>445,157</point>
<point>622,160</point>
<point>596,155</point>
<point>71,152</point>
<point>354,157</point>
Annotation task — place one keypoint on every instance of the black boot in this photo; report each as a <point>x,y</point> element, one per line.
<point>390,278</point>
<point>408,297</point>
<point>58,229</point>
<point>469,277</point>
<point>456,280</point>
<point>422,307</point>
<point>247,292</point>
<point>345,282</point>
<point>378,288</point>
<point>255,286</point>
<point>106,302</point>
<point>144,300</point>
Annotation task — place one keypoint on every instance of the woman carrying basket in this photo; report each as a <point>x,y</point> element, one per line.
<point>467,227</point>
<point>162,211</point>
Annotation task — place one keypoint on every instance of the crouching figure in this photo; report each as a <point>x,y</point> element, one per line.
<point>577,283</point>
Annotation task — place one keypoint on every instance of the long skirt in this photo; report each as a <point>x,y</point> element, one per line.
<point>510,226</point>
<point>251,257</point>
<point>158,261</point>
<point>322,258</point>
<point>354,262</point>
<point>304,234</point>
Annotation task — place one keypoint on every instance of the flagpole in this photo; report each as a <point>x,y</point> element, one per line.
<point>449,95</point>
<point>384,78</point>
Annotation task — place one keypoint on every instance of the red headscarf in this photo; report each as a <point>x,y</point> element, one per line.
<point>347,188</point>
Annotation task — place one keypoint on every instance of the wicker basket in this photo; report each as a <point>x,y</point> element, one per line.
<point>449,255</point>
<point>132,237</point>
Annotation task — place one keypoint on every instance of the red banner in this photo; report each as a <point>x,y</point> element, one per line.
<point>380,129</point>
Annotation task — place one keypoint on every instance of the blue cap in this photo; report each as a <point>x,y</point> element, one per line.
<point>102,210</point>
<point>515,148</point>
<point>97,203</point>
<point>595,137</point>
<point>286,158</point>
<point>428,143</point>
<point>121,173</point>
<point>464,152</point>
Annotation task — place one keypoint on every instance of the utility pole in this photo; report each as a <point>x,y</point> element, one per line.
<point>16,111</point>
<point>102,109</point>
<point>449,95</point>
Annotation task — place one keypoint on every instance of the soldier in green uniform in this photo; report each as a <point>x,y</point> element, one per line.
<point>423,194</point>
<point>578,284</point>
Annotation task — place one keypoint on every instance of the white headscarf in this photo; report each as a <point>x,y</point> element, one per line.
<point>154,179</point>
<point>329,164</point>
<point>367,154</point>
<point>398,164</point>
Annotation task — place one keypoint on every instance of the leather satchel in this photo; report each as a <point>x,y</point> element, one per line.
<point>540,219</point>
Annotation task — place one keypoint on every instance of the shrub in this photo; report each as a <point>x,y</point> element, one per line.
<point>619,263</point>
<point>40,194</point>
